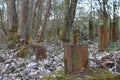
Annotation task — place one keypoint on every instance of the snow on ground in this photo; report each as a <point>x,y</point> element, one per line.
<point>15,68</point>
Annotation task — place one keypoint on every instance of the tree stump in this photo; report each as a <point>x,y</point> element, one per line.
<point>75,37</point>
<point>22,51</point>
<point>113,31</point>
<point>49,35</point>
<point>12,35</point>
<point>91,29</point>
<point>75,58</point>
<point>59,33</point>
<point>103,38</point>
<point>39,51</point>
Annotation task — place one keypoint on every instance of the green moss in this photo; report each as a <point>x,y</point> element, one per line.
<point>58,75</point>
<point>22,51</point>
<point>12,36</point>
<point>92,75</point>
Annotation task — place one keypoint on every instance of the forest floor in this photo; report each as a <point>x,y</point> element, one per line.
<point>16,68</point>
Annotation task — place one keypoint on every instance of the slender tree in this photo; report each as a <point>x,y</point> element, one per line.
<point>91,28</point>
<point>70,9</point>
<point>43,23</point>
<point>115,20</point>
<point>38,13</point>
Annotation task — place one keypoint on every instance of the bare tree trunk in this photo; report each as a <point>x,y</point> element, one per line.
<point>46,15</point>
<point>12,18</point>
<point>38,8</point>
<point>31,17</point>
<point>103,34</point>
<point>40,11</point>
<point>91,29</point>
<point>103,38</point>
<point>2,18</point>
<point>115,21</point>
<point>23,31</point>
<point>70,8</point>
<point>113,31</point>
<point>105,15</point>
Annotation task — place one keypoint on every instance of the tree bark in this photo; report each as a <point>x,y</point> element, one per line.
<point>23,31</point>
<point>113,31</point>
<point>91,29</point>
<point>38,15</point>
<point>76,58</point>
<point>115,21</point>
<point>103,38</point>
<point>70,9</point>
<point>46,15</point>
<point>12,19</point>
<point>75,36</point>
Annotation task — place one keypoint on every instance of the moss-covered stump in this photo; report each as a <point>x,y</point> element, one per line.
<point>92,75</point>
<point>22,51</point>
